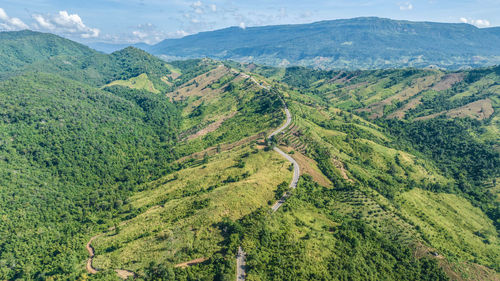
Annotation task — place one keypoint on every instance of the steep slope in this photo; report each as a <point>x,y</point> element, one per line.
<point>70,156</point>
<point>364,204</point>
<point>352,43</point>
<point>379,175</point>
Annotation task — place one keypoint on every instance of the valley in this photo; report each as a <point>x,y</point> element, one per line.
<point>124,166</point>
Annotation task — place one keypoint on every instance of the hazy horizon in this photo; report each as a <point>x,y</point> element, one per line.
<point>128,22</point>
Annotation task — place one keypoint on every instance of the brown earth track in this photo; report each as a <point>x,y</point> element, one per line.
<point>91,251</point>
<point>122,273</point>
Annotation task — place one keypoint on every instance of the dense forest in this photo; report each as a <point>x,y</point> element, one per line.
<point>71,156</point>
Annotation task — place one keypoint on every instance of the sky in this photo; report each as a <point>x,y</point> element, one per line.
<point>150,21</point>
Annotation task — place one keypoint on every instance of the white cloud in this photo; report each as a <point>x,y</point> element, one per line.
<point>181,33</point>
<point>197,4</point>
<point>3,14</point>
<point>242,25</point>
<point>43,23</point>
<point>151,34</point>
<point>213,7</point>
<point>9,24</point>
<point>139,34</point>
<point>65,23</point>
<point>407,6</point>
<point>478,22</point>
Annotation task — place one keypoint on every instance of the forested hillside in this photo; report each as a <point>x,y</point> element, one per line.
<point>125,166</point>
<point>71,156</point>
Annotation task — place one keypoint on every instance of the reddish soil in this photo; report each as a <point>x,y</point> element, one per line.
<point>191,262</point>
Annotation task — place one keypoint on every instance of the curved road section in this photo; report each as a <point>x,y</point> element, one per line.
<point>296,169</point>
<point>240,258</point>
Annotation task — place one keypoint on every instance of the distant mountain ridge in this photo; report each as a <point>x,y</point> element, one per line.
<point>359,43</point>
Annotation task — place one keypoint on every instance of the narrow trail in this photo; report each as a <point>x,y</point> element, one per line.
<point>122,273</point>
<point>240,258</point>
<point>90,249</point>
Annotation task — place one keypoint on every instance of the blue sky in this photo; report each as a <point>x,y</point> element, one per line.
<point>130,21</point>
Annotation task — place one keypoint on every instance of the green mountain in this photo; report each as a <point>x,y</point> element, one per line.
<point>123,165</point>
<point>359,43</point>
<point>21,48</point>
<point>27,51</point>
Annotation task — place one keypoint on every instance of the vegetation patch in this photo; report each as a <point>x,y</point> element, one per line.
<point>179,213</point>
<point>140,82</point>
<point>453,226</point>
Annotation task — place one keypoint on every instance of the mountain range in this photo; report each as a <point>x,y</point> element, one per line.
<point>358,43</point>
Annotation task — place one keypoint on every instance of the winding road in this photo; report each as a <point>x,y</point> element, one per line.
<point>296,169</point>
<point>240,258</point>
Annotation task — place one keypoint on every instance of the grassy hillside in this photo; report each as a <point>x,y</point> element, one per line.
<point>182,212</point>
<point>361,193</point>
<point>140,82</point>
<point>309,240</point>
<point>379,163</point>
<point>73,154</point>
<point>404,94</point>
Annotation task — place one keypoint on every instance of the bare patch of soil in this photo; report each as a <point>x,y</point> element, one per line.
<point>191,262</point>
<point>308,166</point>
<point>448,81</point>
<point>124,274</point>
<point>340,166</point>
<point>211,127</point>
